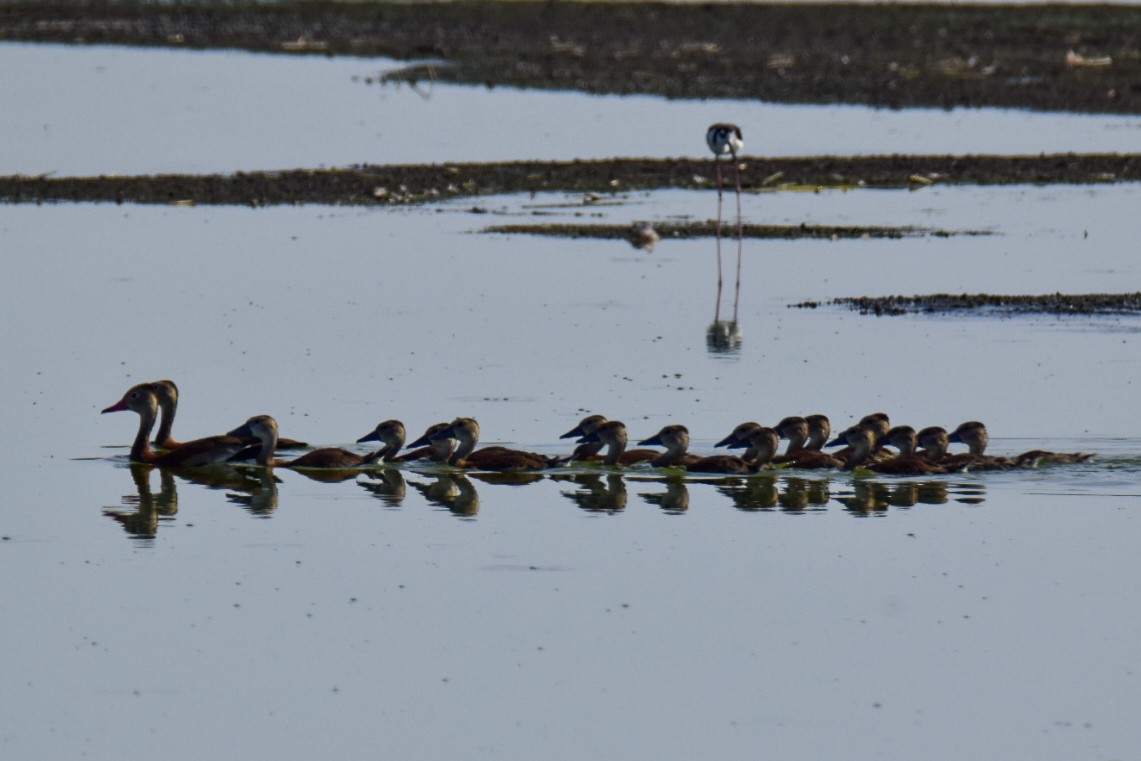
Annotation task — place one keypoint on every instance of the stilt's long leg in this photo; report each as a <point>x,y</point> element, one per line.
<point>717,310</point>
<point>740,237</point>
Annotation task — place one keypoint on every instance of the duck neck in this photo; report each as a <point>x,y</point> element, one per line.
<point>141,448</point>
<point>796,441</point>
<point>268,445</point>
<point>670,457</point>
<point>166,425</point>
<point>617,447</point>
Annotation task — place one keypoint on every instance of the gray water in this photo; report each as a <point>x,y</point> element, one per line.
<point>428,615</point>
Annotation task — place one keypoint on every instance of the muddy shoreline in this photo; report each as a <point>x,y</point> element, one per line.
<point>368,185</point>
<point>638,234</point>
<point>1046,57</point>
<point>1109,304</point>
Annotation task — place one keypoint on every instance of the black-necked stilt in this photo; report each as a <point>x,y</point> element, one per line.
<point>726,140</point>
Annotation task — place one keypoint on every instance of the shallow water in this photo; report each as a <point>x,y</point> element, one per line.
<point>104,110</point>
<point>799,615</point>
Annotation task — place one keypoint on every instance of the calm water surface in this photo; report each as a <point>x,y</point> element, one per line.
<point>428,615</point>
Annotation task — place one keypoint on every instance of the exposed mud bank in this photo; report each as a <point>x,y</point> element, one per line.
<point>646,236</point>
<point>425,183</point>
<point>1054,303</point>
<point>1048,57</point>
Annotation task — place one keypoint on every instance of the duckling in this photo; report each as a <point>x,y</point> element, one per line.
<point>862,439</point>
<point>675,438</point>
<point>391,434</point>
<point>739,437</point>
<point>586,450</point>
<point>796,430</point>
<point>907,462</point>
<point>878,423</point>
<point>763,445</point>
<point>142,400</point>
<point>934,440</point>
<point>167,394</point>
<point>466,431</point>
<point>974,435</point>
<point>264,429</point>
<point>819,430</point>
<point>436,450</point>
<point>613,434</point>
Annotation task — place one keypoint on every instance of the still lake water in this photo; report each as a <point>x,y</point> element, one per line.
<point>800,616</point>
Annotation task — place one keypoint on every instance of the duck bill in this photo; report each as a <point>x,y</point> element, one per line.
<point>729,441</point>
<point>576,431</point>
<point>836,442</point>
<point>655,441</point>
<point>447,433</point>
<point>118,406</point>
<point>586,438</point>
<point>368,437</point>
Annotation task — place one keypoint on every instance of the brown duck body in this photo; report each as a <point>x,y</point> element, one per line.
<point>798,455</point>
<point>862,440</point>
<point>974,435</point>
<point>613,435</point>
<point>143,400</point>
<point>264,429</point>
<point>466,432</point>
<point>675,438</point>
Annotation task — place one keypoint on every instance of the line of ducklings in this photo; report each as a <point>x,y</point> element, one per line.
<point>865,445</point>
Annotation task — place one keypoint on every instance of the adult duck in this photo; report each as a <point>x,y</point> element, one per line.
<point>862,441</point>
<point>167,393</point>
<point>142,400</point>
<point>588,448</point>
<point>391,434</point>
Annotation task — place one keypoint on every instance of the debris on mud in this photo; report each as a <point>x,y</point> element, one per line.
<point>425,183</point>
<point>1055,303</point>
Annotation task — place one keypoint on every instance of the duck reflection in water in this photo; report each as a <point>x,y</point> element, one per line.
<point>875,497</point>
<point>145,508</point>
<point>386,485</point>
<point>451,491</point>
<point>674,500</point>
<point>598,493</point>
<point>258,495</point>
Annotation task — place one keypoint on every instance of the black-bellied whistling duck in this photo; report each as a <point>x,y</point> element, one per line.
<point>142,400</point>
<point>613,434</point>
<point>264,429</point>
<point>167,393</point>
<point>675,438</point>
<point>862,440</point>
<point>974,435</point>
<point>466,431</point>
<point>934,440</point>
<point>390,433</point>
<point>738,438</point>
<point>430,448</point>
<point>586,449</point>
<point>797,454</point>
